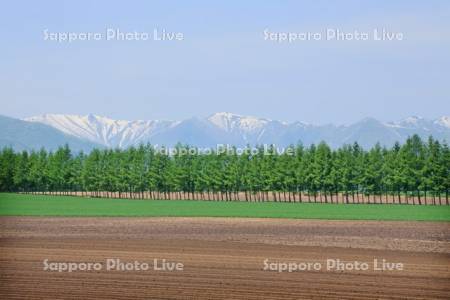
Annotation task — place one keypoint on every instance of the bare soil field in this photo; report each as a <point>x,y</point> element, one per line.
<point>223,258</point>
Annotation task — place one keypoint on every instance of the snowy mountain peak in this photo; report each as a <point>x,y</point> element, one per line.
<point>443,121</point>
<point>412,120</point>
<point>225,120</point>
<point>230,122</point>
<point>226,115</point>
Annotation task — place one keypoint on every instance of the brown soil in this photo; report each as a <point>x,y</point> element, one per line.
<point>223,258</point>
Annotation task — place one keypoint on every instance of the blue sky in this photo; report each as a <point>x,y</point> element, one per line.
<point>224,63</point>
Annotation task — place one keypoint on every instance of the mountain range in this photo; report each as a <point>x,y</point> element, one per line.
<point>23,135</point>
<point>90,131</point>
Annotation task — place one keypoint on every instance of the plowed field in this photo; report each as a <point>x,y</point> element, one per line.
<point>223,258</point>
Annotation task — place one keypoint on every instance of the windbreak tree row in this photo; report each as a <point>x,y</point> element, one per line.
<point>415,172</point>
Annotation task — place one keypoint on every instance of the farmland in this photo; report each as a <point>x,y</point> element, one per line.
<point>223,258</point>
<point>222,216</point>
<point>223,247</point>
<point>43,205</point>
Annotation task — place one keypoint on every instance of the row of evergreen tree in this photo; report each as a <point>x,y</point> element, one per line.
<point>416,172</point>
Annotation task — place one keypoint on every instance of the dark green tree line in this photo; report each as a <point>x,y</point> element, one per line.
<point>415,172</point>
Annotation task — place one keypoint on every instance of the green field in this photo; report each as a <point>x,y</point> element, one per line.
<point>30,205</point>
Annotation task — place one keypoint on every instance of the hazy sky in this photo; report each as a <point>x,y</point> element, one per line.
<point>224,63</point>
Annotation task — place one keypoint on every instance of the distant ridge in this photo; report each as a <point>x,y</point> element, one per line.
<point>21,135</point>
<point>229,128</point>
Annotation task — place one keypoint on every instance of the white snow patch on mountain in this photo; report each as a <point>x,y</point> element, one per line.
<point>230,122</point>
<point>443,121</point>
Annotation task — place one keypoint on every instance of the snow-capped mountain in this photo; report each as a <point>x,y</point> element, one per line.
<point>443,121</point>
<point>102,130</point>
<point>228,128</point>
<point>21,135</point>
<point>248,129</point>
<point>232,122</point>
